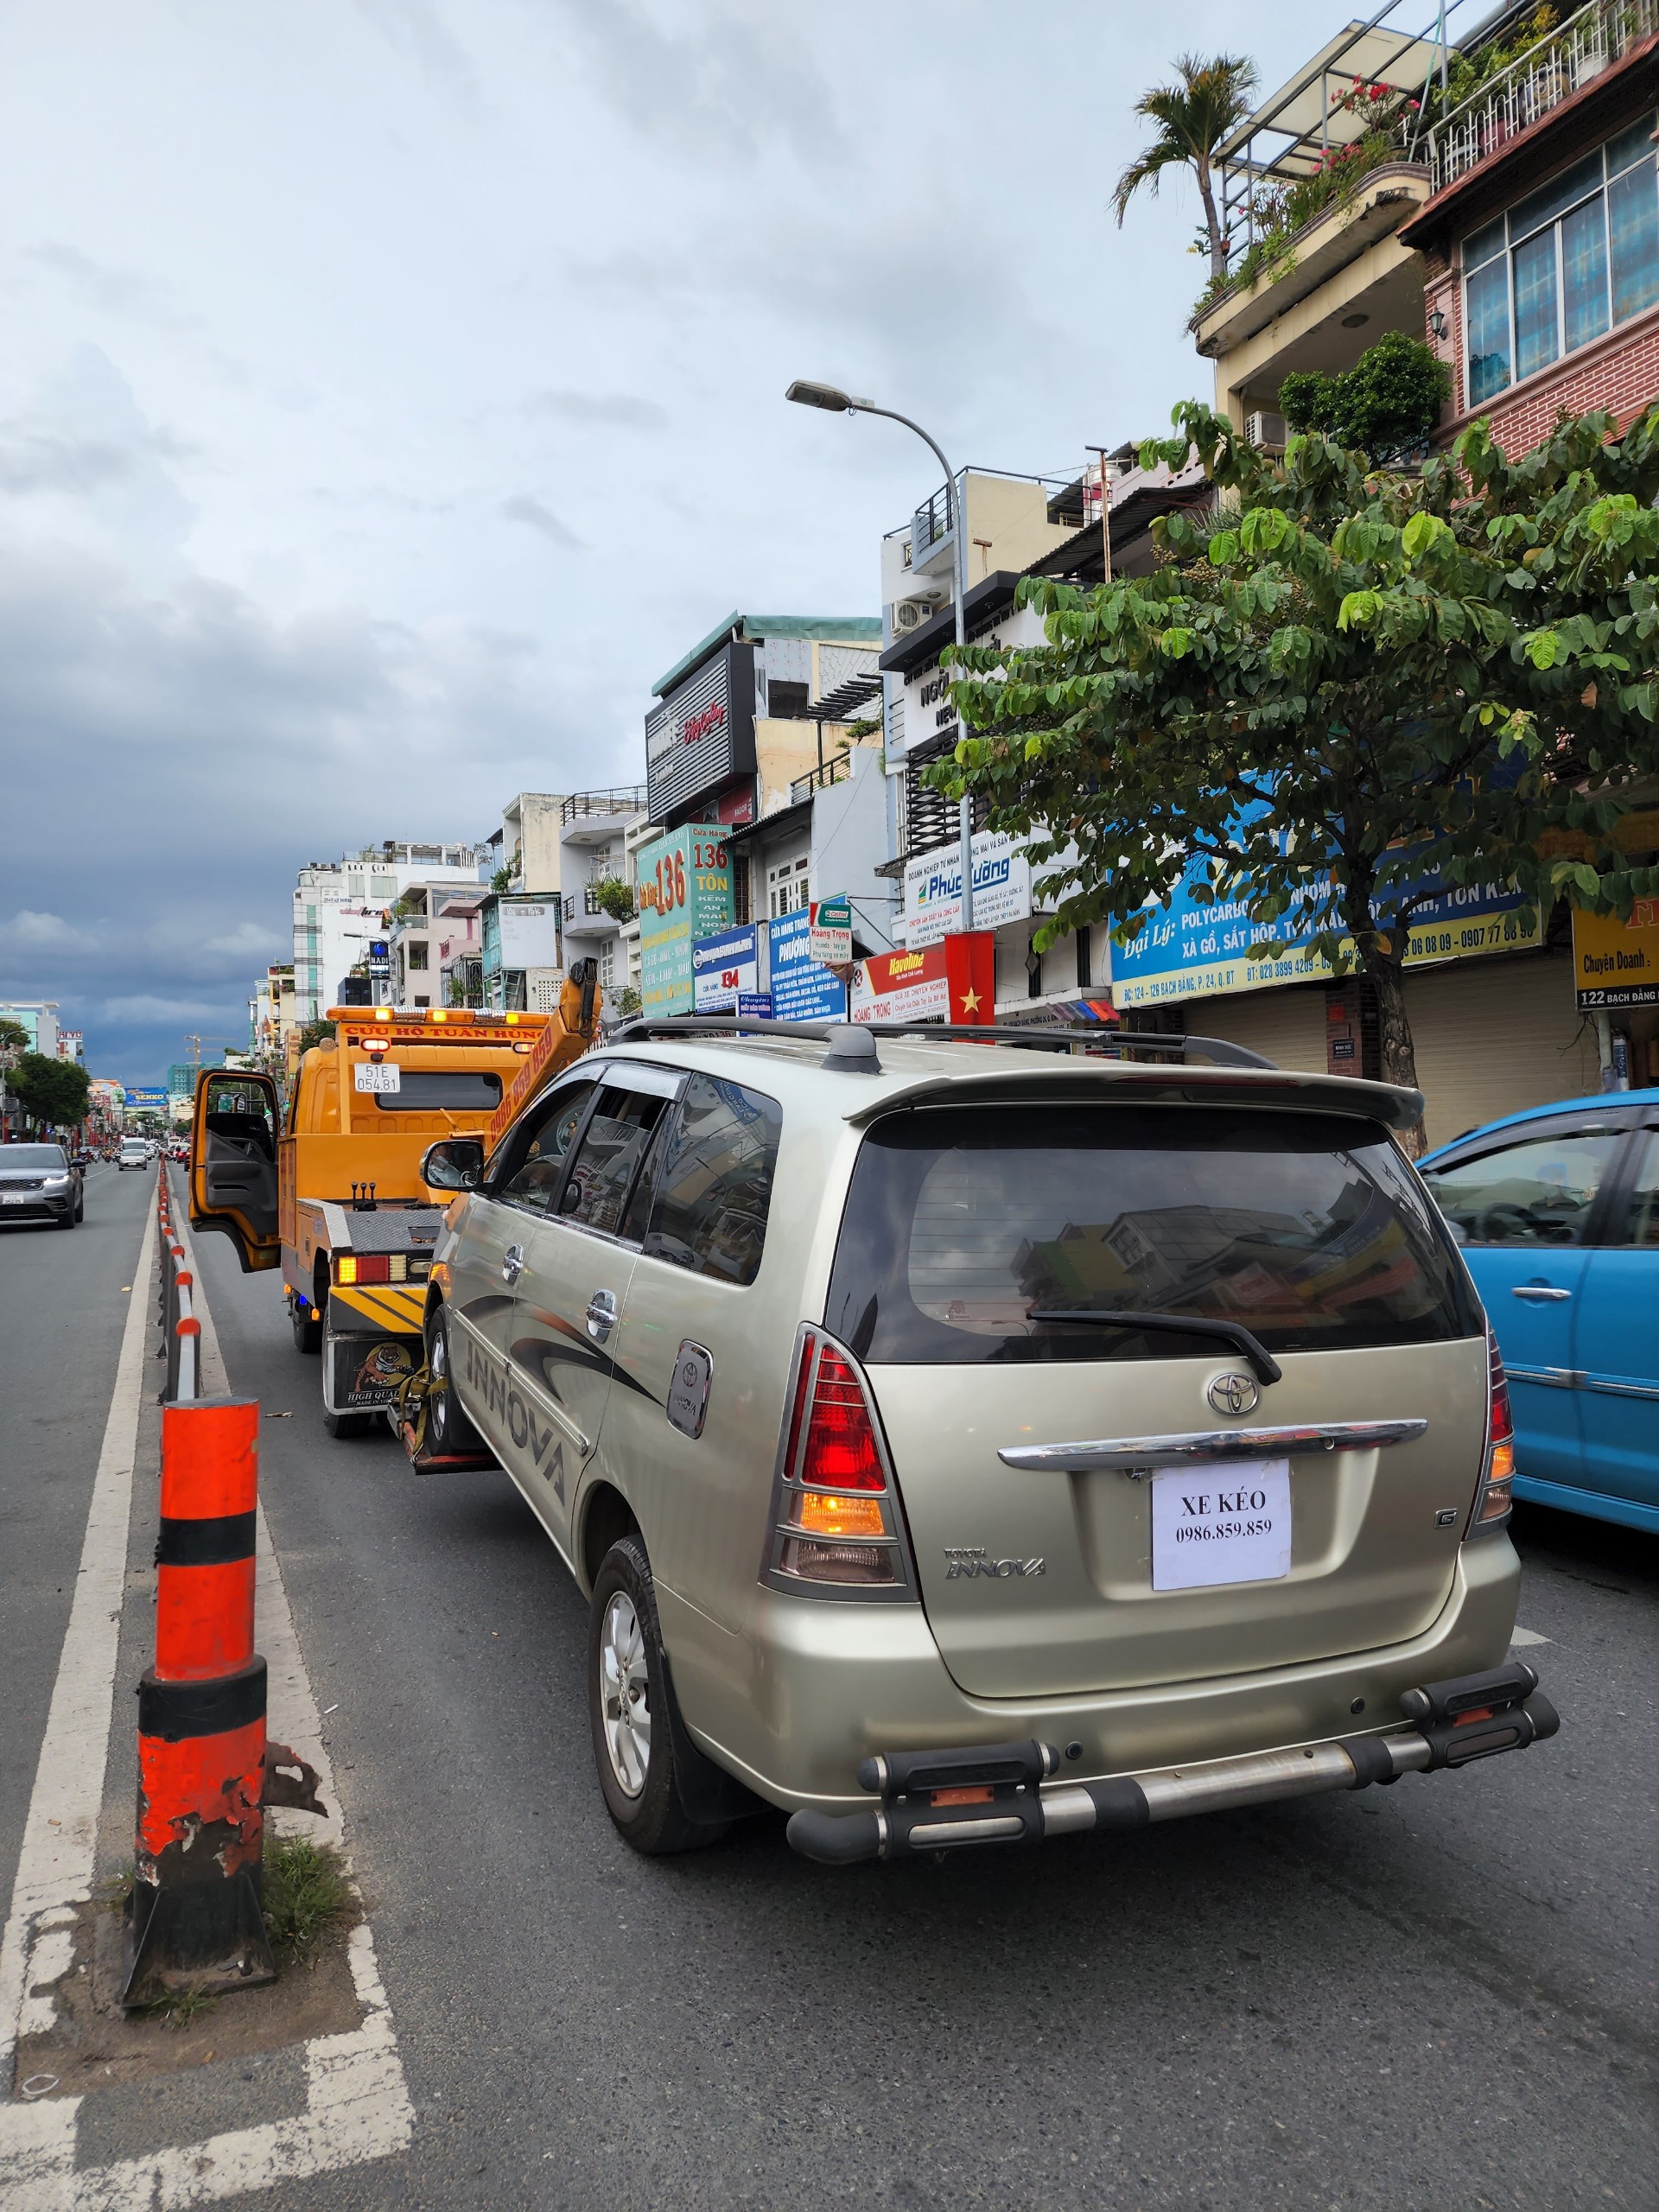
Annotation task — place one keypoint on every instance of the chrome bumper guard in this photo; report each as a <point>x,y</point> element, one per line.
<point>1006,1792</point>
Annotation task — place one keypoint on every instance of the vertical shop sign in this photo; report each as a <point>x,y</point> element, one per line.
<point>683,892</point>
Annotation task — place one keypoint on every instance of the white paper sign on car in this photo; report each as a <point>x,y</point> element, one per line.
<point>1228,1521</point>
<point>378,1075</point>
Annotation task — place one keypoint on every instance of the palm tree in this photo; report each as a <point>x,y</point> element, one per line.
<point>1192,117</point>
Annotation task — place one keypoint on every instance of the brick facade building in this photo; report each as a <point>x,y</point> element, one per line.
<point>1541,254</point>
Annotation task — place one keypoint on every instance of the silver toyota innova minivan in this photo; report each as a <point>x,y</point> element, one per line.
<point>961,1443</point>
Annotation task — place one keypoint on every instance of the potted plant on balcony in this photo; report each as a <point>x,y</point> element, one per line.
<point>614,897</point>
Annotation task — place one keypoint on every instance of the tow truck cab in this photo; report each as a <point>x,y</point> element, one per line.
<point>332,1192</point>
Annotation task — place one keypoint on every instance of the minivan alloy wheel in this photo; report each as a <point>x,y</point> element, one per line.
<point>625,1689</point>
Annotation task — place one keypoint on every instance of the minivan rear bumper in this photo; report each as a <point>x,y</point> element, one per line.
<point>808,1690</point>
<point>1003,1793</point>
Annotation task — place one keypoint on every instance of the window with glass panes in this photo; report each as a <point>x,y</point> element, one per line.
<point>1563,265</point>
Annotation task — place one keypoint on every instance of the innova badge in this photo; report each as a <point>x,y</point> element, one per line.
<point>1233,1393</point>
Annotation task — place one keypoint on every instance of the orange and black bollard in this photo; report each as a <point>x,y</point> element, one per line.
<point>196,1915</point>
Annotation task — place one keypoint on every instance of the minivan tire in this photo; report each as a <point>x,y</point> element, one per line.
<point>448,1429</point>
<point>626,1677</point>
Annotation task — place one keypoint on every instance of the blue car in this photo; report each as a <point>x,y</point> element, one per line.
<point>1557,1212</point>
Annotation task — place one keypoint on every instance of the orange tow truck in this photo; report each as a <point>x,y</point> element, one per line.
<point>332,1194</point>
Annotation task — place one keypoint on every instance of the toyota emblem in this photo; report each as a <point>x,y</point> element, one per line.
<point>1233,1393</point>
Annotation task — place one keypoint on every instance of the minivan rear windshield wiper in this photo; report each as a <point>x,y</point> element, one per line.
<point>1184,1324</point>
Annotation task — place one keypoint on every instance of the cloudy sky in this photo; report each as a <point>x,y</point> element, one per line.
<point>390,389</point>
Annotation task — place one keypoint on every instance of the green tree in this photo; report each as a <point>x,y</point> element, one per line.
<point>313,1032</point>
<point>14,1038</point>
<point>53,1093</point>
<point>1193,115</point>
<point>1347,682</point>
<point>1386,404</point>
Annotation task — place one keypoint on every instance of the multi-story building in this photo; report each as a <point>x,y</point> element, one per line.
<point>1075,530</point>
<point>1496,197</point>
<point>525,850</point>
<point>433,927</point>
<point>1539,235</point>
<point>343,909</point>
<point>72,1046</point>
<point>38,1017</point>
<point>754,733</point>
<point>598,895</point>
<point>270,1019</point>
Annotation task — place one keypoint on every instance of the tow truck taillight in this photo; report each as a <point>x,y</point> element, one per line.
<point>836,1524</point>
<point>371,1267</point>
<point>1497,1475</point>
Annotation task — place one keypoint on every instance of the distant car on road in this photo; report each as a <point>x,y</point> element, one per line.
<point>911,1393</point>
<point>1557,1210</point>
<point>133,1153</point>
<point>38,1183</point>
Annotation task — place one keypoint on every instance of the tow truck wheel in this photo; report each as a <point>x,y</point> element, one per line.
<point>307,1328</point>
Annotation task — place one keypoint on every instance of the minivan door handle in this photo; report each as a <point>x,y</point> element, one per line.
<point>602,1315</point>
<point>1539,1290</point>
<point>512,1264</point>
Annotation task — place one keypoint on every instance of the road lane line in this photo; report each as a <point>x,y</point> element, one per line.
<point>358,2108</point>
<point>58,1855</point>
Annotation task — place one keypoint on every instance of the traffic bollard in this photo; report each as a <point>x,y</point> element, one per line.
<point>195,1917</point>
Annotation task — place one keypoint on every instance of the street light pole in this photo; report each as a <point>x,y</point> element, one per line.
<point>836,401</point>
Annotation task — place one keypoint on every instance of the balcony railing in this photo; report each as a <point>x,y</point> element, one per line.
<point>1570,57</point>
<point>589,905</point>
<point>835,770</point>
<point>621,798</point>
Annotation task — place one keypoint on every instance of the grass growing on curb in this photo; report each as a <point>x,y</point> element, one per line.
<point>116,1894</point>
<point>308,1897</point>
<point>176,2008</point>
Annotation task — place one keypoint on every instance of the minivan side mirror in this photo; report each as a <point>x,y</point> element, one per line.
<point>453,1164</point>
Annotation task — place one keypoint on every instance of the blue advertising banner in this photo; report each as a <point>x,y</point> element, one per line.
<point>722,966</point>
<point>1189,949</point>
<point>801,989</point>
<point>756,1004</point>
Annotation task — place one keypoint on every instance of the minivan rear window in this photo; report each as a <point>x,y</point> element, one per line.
<point>963,1222</point>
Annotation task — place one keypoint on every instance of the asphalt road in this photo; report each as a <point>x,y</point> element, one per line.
<point>1440,1995</point>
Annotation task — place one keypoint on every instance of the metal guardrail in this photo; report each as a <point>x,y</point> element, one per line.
<point>181,1329</point>
<point>1562,62</point>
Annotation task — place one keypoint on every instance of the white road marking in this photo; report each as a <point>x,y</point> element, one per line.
<point>56,1863</point>
<point>358,2108</point>
<point>1528,1636</point>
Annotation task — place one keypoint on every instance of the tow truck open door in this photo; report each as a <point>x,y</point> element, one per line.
<point>233,1164</point>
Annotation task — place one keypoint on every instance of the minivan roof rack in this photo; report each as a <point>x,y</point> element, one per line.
<point>1054,1038</point>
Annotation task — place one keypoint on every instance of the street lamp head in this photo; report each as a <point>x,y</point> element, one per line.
<point>805,393</point>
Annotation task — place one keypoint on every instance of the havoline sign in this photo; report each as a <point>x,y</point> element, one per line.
<point>701,733</point>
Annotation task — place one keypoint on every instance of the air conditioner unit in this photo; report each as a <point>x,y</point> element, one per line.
<point>1265,431</point>
<point>909,614</point>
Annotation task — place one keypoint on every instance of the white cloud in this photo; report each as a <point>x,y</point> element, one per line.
<point>305,305</point>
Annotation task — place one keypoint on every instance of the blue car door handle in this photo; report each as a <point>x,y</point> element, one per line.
<point>1538,1290</point>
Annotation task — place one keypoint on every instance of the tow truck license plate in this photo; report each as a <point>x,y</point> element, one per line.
<point>382,1075</point>
<point>1228,1521</point>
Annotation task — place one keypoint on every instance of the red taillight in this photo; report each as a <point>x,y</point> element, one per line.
<point>1496,1496</point>
<point>831,1449</point>
<point>841,1448</point>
